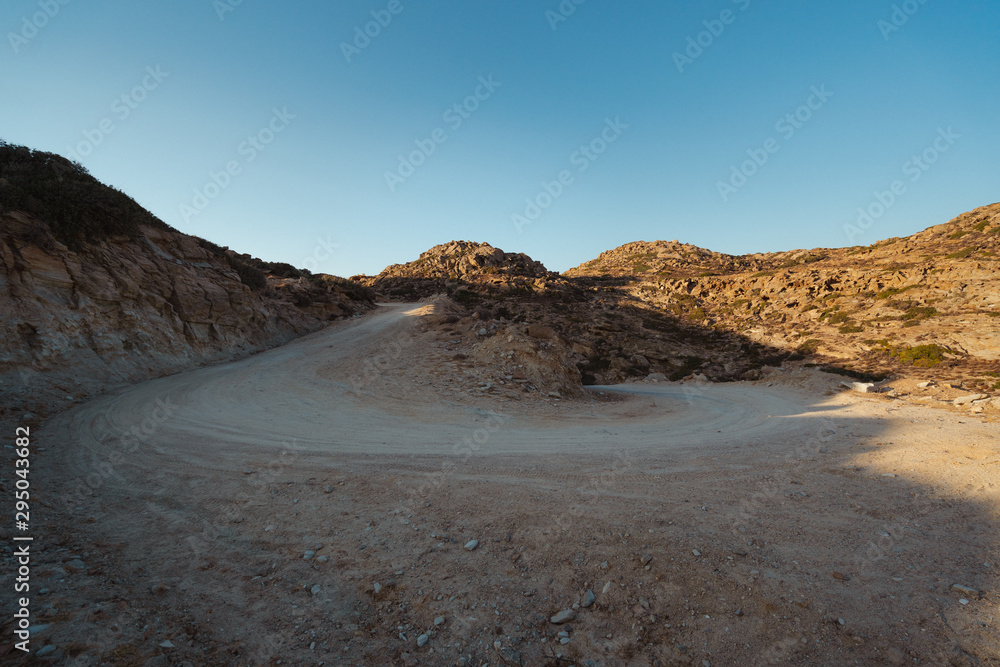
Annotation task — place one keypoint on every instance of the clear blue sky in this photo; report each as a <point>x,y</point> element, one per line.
<point>222,74</point>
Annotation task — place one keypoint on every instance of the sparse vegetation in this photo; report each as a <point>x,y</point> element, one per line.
<point>982,225</point>
<point>961,254</point>
<point>851,327</point>
<point>809,347</point>
<point>921,356</point>
<point>917,313</point>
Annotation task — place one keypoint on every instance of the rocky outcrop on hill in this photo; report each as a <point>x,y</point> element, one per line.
<point>458,262</point>
<point>127,302</point>
<point>664,259</point>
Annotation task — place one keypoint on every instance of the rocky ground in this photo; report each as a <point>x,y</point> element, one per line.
<point>350,499</point>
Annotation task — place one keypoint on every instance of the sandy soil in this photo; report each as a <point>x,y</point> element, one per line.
<point>312,505</point>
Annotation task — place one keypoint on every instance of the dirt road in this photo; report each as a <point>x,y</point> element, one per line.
<point>312,505</point>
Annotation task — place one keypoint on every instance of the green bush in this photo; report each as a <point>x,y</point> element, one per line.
<point>962,254</point>
<point>918,313</point>
<point>923,356</point>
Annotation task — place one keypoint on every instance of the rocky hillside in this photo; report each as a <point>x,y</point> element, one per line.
<point>924,306</point>
<point>666,259</point>
<point>95,292</point>
<point>928,299</point>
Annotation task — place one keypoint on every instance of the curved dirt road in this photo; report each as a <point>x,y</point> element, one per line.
<point>245,513</point>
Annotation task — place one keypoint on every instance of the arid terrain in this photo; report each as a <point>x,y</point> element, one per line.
<point>306,507</point>
<point>666,456</point>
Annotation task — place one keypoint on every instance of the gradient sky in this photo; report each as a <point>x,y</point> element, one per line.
<point>317,194</point>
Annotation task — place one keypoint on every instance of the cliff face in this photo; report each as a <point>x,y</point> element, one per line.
<point>130,308</point>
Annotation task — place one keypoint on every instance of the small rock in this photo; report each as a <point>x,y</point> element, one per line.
<point>482,332</point>
<point>971,592</point>
<point>308,555</point>
<point>166,644</point>
<point>928,383</point>
<point>76,564</point>
<point>564,640</point>
<point>645,560</point>
<point>45,650</point>
<point>471,545</point>
<point>656,377</point>
<point>607,587</point>
<point>315,589</point>
<point>422,640</point>
<point>323,559</point>
<point>964,400</point>
<point>327,489</point>
<point>565,616</point>
<point>439,621</point>
<point>377,587</point>
<point>589,599</point>
<point>696,552</point>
